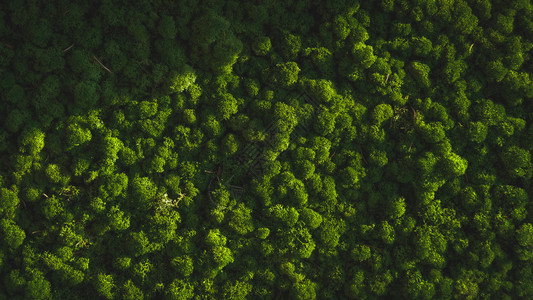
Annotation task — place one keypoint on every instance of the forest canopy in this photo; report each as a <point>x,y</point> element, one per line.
<point>306,149</point>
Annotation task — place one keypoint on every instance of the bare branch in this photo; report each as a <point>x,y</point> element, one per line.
<point>101,64</point>
<point>414,113</point>
<point>68,48</point>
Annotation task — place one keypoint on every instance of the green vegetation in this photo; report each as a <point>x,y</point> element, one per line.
<point>341,149</point>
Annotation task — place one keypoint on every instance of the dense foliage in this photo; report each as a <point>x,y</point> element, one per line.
<point>306,149</point>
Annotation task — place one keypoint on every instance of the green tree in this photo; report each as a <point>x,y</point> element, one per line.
<point>432,132</point>
<point>13,235</point>
<point>524,235</point>
<point>87,93</point>
<point>230,144</point>
<point>31,141</point>
<point>510,197</point>
<point>430,244</point>
<point>70,276</point>
<point>262,233</point>
<point>173,55</point>
<point>183,79</point>
<point>386,233</point>
<point>355,288</point>
<point>146,109</point>
<point>56,175</point>
<point>261,45</point>
<point>143,191</point>
<point>77,135</point>
<point>321,147</point>
<point>8,202</point>
<point>16,95</point>
<point>495,70</point>
<point>330,232</point>
<point>14,282</point>
<point>131,292</point>
<point>489,113</point>
<point>290,45</point>
<point>304,169</point>
<point>397,207</point>
<point>16,120</point>
<point>189,116</point>
<point>225,53</point>
<point>420,73</point>
<point>517,162</point>
<point>311,218</point>
<point>117,219</point>
<point>378,158</point>
<point>324,123</point>
<point>504,23</point>
<point>122,263</point>
<point>286,118</point>
<point>381,113</point>
<point>238,290</point>
<point>305,289</point>
<point>50,87</point>
<point>341,27</point>
<point>183,264</point>
<point>163,226</point>
<point>284,74</point>
<point>322,58</point>
<point>179,290</point>
<point>322,89</point>
<point>38,287</point>
<point>211,126</point>
<point>227,105</point>
<point>113,185</point>
<point>477,132</point>
<point>363,55</point>
<point>105,286</point>
<point>167,27</point>
<point>207,29</point>
<point>283,216</point>
<point>138,243</point>
<point>215,238</point>
<point>360,253</point>
<point>453,165</point>
<point>414,283</point>
<point>110,148</point>
<point>467,287</point>
<point>241,219</point>
<point>222,256</point>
